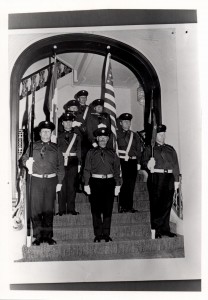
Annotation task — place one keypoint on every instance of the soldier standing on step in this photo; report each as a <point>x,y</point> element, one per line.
<point>102,181</point>
<point>69,143</point>
<point>129,150</point>
<point>47,172</point>
<point>97,119</point>
<point>163,178</point>
<point>79,125</point>
<point>84,109</point>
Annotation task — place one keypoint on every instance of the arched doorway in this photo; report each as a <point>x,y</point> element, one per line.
<point>88,43</point>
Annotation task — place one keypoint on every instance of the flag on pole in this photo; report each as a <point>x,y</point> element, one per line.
<point>154,129</point>
<point>25,124</point>
<point>109,96</point>
<point>53,84</point>
<point>152,121</point>
<point>53,101</point>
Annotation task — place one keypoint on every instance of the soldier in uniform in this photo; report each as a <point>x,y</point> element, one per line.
<point>79,125</point>
<point>47,172</point>
<point>81,96</point>
<point>72,106</point>
<point>102,181</point>
<point>129,150</point>
<point>70,145</point>
<point>97,119</point>
<point>163,178</point>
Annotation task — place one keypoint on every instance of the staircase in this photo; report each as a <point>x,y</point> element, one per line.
<point>131,234</point>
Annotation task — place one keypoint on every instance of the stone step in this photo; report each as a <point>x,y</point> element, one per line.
<point>138,195</point>
<point>141,187</point>
<point>141,231</point>
<point>118,249</point>
<point>86,219</point>
<point>139,205</point>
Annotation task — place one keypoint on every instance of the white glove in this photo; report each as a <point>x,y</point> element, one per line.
<point>101,125</point>
<point>58,187</point>
<point>29,164</point>
<point>138,167</point>
<point>176,185</point>
<point>79,168</point>
<point>151,164</point>
<point>117,190</point>
<point>75,123</point>
<point>87,189</point>
<point>94,145</point>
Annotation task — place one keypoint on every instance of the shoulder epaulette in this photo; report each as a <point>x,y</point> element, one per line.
<point>169,146</point>
<point>54,145</point>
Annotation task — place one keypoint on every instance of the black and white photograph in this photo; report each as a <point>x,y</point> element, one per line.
<point>105,153</point>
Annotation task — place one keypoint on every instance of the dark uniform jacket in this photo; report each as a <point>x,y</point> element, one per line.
<point>93,121</point>
<point>64,140</point>
<point>102,161</point>
<point>123,138</point>
<point>48,159</point>
<point>81,111</point>
<point>165,157</point>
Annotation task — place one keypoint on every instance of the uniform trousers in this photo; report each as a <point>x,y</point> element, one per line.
<point>101,200</point>
<point>161,190</point>
<point>43,194</point>
<point>85,147</point>
<point>67,194</point>
<point>129,175</point>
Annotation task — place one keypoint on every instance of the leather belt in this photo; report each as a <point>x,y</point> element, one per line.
<point>45,175</point>
<point>162,171</point>
<point>70,154</point>
<point>101,176</point>
<point>129,157</point>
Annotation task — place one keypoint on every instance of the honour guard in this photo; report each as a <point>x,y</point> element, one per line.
<point>79,124</point>
<point>97,119</point>
<point>102,181</point>
<point>69,143</point>
<point>47,172</point>
<point>163,178</point>
<point>81,96</point>
<point>129,150</point>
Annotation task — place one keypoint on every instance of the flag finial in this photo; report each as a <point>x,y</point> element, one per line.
<point>54,50</point>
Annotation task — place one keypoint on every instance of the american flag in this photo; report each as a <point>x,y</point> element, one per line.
<point>109,97</point>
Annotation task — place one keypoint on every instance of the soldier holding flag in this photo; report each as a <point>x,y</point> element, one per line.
<point>46,167</point>
<point>163,178</point>
<point>97,119</point>
<point>69,143</point>
<point>129,150</point>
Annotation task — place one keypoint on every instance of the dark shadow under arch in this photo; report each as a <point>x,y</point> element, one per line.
<point>87,43</point>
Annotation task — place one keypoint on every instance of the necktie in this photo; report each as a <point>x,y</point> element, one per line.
<point>42,151</point>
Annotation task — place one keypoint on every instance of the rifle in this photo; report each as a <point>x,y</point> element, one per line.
<point>29,227</point>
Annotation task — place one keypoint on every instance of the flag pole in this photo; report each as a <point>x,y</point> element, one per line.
<point>29,227</point>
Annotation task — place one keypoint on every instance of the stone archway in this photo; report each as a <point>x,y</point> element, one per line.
<point>88,43</point>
